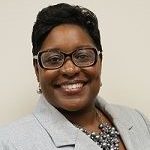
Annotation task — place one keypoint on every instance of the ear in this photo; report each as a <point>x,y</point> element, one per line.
<point>36,69</point>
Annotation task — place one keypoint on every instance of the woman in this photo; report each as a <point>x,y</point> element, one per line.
<point>67,57</point>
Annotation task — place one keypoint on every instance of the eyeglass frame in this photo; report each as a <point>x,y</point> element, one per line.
<point>38,57</point>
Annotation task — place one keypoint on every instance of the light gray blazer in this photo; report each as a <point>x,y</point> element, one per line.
<point>48,129</point>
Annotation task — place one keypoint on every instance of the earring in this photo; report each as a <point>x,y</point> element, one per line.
<point>39,90</point>
<point>100,84</point>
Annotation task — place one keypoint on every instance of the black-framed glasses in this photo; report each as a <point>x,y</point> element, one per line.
<point>54,58</point>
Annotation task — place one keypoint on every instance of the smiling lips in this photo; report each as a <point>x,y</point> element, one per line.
<point>71,87</point>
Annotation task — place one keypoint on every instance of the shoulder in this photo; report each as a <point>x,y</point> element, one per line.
<point>130,113</point>
<point>20,130</point>
<point>114,109</point>
<point>124,114</point>
<point>18,124</point>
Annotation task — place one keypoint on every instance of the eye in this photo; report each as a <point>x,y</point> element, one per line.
<point>83,56</point>
<point>51,58</point>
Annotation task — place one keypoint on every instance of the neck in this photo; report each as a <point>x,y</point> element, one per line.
<point>86,118</point>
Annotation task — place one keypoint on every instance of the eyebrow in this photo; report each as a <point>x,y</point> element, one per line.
<point>78,47</point>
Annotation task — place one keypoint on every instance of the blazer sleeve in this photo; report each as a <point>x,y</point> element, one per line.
<point>8,146</point>
<point>5,143</point>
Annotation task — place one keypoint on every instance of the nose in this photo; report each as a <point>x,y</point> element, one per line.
<point>69,69</point>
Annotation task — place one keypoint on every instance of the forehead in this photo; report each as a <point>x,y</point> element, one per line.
<point>67,36</point>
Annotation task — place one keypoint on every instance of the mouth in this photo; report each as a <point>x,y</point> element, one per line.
<point>71,87</point>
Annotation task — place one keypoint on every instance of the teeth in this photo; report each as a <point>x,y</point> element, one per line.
<point>72,86</point>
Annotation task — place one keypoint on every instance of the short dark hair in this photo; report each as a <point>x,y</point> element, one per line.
<point>63,13</point>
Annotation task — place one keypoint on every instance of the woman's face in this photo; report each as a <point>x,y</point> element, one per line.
<point>69,88</point>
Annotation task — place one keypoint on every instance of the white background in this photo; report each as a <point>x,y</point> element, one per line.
<point>125,31</point>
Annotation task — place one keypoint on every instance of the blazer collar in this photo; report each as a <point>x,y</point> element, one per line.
<point>64,133</point>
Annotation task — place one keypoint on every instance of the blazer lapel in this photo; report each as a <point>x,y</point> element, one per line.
<point>130,125</point>
<point>83,142</point>
<point>124,133</point>
<point>122,127</point>
<point>62,132</point>
<point>133,131</point>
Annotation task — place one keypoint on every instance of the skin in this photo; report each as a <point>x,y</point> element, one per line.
<point>81,101</point>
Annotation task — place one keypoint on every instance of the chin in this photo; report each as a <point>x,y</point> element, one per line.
<point>74,104</point>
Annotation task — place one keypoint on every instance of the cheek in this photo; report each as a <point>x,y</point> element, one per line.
<point>46,77</point>
<point>96,77</point>
<point>95,71</point>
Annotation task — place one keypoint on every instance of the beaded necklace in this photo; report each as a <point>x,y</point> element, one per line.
<point>107,138</point>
